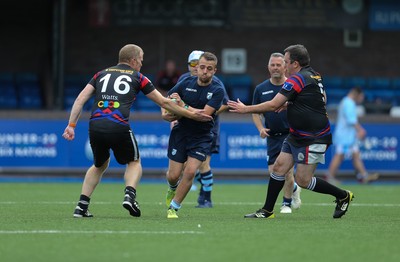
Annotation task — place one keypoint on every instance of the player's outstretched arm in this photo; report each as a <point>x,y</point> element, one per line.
<point>272,105</point>
<point>83,97</point>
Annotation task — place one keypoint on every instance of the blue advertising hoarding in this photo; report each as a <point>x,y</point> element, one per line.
<point>39,144</point>
<point>384,15</point>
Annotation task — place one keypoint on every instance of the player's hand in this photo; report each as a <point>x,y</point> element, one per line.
<point>199,115</point>
<point>167,116</point>
<point>237,106</point>
<point>69,133</point>
<point>177,99</point>
<point>264,132</point>
<point>282,108</point>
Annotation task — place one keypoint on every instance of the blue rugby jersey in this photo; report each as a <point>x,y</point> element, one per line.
<point>198,97</point>
<point>276,122</point>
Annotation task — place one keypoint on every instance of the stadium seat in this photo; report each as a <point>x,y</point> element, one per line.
<point>378,83</point>
<point>334,96</point>
<point>144,104</point>
<point>88,105</point>
<point>333,82</point>
<point>222,78</point>
<point>8,92</point>
<point>73,85</point>
<point>381,96</point>
<point>151,77</point>
<point>29,93</point>
<point>351,82</point>
<point>240,86</point>
<point>8,96</point>
<point>395,84</point>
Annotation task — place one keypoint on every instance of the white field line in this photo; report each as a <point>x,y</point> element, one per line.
<point>189,203</point>
<point>24,232</point>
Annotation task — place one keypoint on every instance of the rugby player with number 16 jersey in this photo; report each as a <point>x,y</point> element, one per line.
<point>115,90</point>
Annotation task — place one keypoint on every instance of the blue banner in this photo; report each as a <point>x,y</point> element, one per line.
<point>39,144</point>
<point>384,15</point>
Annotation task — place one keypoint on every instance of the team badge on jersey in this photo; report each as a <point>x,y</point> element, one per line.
<point>209,95</point>
<point>173,151</point>
<point>287,86</point>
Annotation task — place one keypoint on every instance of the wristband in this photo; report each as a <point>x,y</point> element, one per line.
<point>72,125</point>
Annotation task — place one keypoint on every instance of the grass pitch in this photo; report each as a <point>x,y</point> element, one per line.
<point>37,225</point>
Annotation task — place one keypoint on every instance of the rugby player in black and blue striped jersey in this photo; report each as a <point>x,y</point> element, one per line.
<point>310,135</point>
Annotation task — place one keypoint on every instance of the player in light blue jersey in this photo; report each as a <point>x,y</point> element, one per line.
<point>348,133</point>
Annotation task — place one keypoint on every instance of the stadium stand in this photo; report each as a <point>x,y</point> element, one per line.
<point>73,85</point>
<point>144,104</point>
<point>29,91</point>
<point>8,93</point>
<point>240,86</point>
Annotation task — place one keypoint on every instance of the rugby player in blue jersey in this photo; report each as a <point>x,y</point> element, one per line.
<point>309,137</point>
<point>204,174</point>
<point>190,141</point>
<point>276,127</point>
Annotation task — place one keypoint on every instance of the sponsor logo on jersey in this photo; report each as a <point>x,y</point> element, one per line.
<point>316,77</point>
<point>287,86</point>
<point>191,89</point>
<point>267,92</point>
<point>173,151</point>
<point>108,104</point>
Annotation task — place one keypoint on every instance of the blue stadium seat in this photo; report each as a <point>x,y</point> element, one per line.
<point>144,104</point>
<point>240,86</point>
<point>334,96</point>
<point>395,83</point>
<point>351,82</point>
<point>379,89</point>
<point>8,96</point>
<point>378,83</point>
<point>151,77</point>
<point>29,93</point>
<point>73,85</point>
<point>88,105</point>
<point>382,96</point>
<point>222,78</point>
<point>333,82</point>
<point>8,92</point>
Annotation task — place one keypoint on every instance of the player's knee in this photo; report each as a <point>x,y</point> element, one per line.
<point>302,182</point>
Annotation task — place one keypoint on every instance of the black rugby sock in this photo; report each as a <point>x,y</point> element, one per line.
<point>84,202</point>
<point>275,186</point>
<point>130,191</point>
<point>321,186</point>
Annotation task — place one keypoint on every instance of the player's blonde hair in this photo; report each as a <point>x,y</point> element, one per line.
<point>129,52</point>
